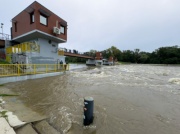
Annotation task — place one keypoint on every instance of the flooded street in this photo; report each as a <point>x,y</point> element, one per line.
<point>129,99</point>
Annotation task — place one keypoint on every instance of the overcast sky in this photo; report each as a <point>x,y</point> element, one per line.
<point>99,24</point>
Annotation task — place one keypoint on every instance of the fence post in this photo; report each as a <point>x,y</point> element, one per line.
<point>18,70</point>
<point>68,67</point>
<point>63,67</point>
<point>34,68</point>
<point>46,68</point>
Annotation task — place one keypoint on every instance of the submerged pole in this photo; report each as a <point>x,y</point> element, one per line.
<point>88,110</point>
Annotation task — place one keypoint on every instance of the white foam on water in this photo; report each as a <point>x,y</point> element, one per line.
<point>92,74</point>
<point>66,119</point>
<point>174,80</point>
<point>2,101</point>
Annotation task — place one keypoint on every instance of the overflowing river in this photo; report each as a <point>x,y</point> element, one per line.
<point>129,99</point>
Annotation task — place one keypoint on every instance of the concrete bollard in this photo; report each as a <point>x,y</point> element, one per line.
<point>88,110</point>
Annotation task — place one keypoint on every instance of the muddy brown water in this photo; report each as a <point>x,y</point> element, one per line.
<point>129,99</point>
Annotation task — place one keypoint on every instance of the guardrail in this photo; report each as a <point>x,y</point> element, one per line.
<point>27,69</point>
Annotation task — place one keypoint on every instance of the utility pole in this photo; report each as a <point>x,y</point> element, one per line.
<point>2,29</point>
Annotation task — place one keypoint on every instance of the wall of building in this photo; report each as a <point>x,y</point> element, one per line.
<point>2,43</point>
<point>21,24</point>
<point>48,53</point>
<point>90,62</point>
<point>94,62</point>
<point>24,25</point>
<point>49,49</point>
<point>98,56</point>
<point>52,20</point>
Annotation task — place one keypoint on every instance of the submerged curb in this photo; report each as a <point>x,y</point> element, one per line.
<point>5,128</point>
<point>33,122</point>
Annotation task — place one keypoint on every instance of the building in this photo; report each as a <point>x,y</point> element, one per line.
<point>35,35</point>
<point>108,62</point>
<point>4,40</point>
<point>98,61</point>
<point>2,52</point>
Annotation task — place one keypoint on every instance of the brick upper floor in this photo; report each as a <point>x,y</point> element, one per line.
<point>38,19</point>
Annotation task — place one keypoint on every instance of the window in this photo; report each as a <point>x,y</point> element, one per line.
<point>43,20</point>
<point>62,29</point>
<point>32,18</point>
<point>15,26</point>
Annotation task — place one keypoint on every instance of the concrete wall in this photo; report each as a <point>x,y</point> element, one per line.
<point>99,62</point>
<point>4,80</point>
<point>90,62</point>
<point>94,62</point>
<point>49,50</point>
<point>48,53</point>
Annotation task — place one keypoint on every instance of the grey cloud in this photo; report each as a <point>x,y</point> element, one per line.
<point>98,24</point>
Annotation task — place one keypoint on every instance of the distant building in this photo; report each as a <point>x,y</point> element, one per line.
<point>98,61</point>
<point>35,35</point>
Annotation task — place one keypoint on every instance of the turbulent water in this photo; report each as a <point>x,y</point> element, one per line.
<point>129,99</point>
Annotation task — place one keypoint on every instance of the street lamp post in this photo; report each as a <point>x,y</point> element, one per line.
<point>2,27</point>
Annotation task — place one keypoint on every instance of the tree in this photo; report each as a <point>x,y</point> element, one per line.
<point>92,53</point>
<point>166,55</point>
<point>112,51</point>
<point>143,57</point>
<point>128,56</point>
<point>136,55</point>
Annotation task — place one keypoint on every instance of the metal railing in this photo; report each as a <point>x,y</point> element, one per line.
<point>73,51</point>
<point>27,69</point>
<point>60,52</point>
<point>4,36</point>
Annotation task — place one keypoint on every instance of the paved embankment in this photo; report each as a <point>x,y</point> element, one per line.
<point>16,118</point>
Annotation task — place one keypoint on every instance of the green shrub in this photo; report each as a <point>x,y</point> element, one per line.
<point>2,61</point>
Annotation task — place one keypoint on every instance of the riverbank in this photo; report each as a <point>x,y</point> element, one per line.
<point>17,118</point>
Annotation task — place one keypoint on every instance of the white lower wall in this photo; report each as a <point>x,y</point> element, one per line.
<point>48,53</point>
<point>94,62</point>
<point>90,62</point>
<point>4,80</point>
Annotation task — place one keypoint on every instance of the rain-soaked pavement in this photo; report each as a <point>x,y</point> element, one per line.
<point>129,99</point>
